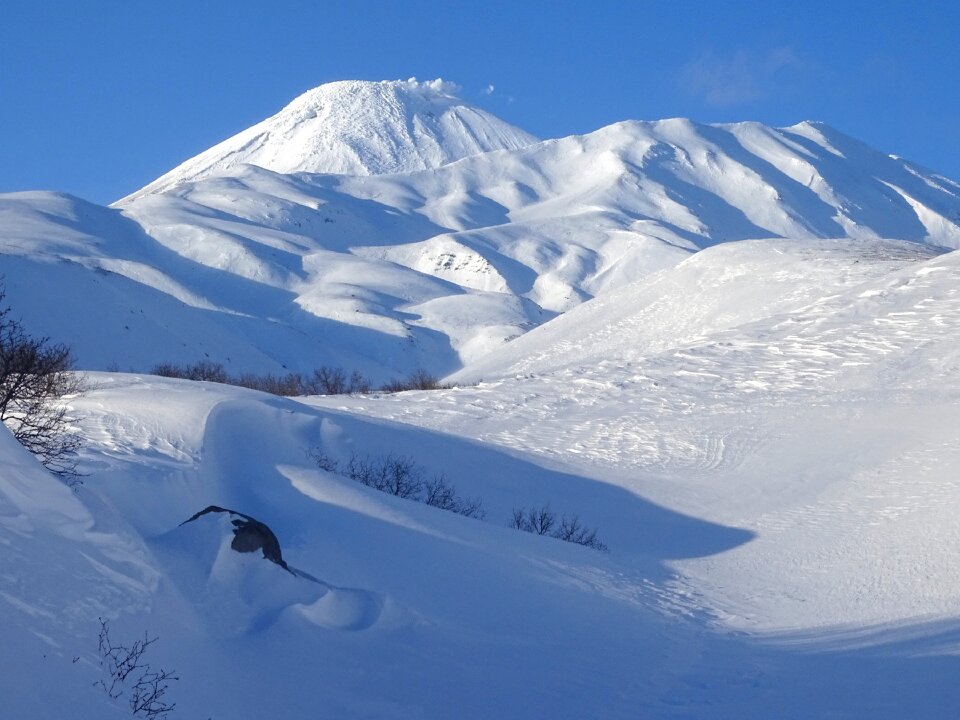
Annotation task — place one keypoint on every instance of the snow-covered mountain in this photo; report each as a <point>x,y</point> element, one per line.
<point>729,349</point>
<point>264,269</point>
<point>358,128</point>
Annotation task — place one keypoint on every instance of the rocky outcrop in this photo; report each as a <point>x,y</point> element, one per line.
<point>249,535</point>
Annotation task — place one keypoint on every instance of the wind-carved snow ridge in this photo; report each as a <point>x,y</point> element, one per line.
<point>355,127</point>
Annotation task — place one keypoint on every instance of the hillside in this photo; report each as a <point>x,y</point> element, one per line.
<point>822,421</point>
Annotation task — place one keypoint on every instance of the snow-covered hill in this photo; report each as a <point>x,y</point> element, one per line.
<point>717,289</point>
<point>358,128</point>
<point>266,271</point>
<point>811,409</point>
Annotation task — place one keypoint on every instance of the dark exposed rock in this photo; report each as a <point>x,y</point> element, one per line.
<point>249,535</point>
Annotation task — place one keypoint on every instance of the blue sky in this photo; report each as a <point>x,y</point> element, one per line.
<point>98,98</point>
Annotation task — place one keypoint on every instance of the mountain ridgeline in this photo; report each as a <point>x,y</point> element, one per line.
<point>389,226</point>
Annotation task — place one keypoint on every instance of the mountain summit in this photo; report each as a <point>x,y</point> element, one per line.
<point>356,127</point>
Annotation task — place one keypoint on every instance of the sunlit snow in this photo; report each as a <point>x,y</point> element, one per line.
<point>730,349</point>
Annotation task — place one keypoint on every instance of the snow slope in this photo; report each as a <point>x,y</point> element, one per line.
<point>716,289</point>
<point>823,420</point>
<point>354,127</point>
<point>60,571</point>
<point>92,278</point>
<point>412,611</point>
<point>776,487</point>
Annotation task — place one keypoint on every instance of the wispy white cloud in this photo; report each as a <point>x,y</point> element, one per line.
<point>740,78</point>
<point>488,90</point>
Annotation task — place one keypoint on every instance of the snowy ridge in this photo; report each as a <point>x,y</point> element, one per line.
<point>710,292</point>
<point>440,267</point>
<point>357,128</point>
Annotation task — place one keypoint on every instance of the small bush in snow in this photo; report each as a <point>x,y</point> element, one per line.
<point>571,530</point>
<point>539,521</point>
<point>35,378</point>
<point>210,371</point>
<point>127,672</point>
<point>417,380</point>
<point>400,475</point>
<point>440,493</point>
<point>394,474</point>
<point>324,380</point>
<point>324,461</point>
<point>334,381</point>
<point>203,370</point>
<point>544,521</point>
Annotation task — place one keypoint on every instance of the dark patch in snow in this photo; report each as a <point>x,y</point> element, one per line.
<point>249,535</point>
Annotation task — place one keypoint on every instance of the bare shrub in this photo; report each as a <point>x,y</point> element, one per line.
<point>166,369</point>
<point>440,493</point>
<point>128,672</point>
<point>35,378</point>
<point>323,381</point>
<point>394,474</point>
<point>572,530</point>
<point>417,380</point>
<point>543,521</point>
<point>203,370</point>
<point>324,461</point>
<point>471,508</point>
<point>362,469</point>
<point>539,521</point>
<point>209,371</point>
<point>358,384</point>
<point>327,380</point>
<point>400,475</point>
<point>403,476</point>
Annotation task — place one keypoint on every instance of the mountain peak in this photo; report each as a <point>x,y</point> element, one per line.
<point>358,127</point>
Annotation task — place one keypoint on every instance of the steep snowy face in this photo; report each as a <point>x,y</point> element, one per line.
<point>358,128</point>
